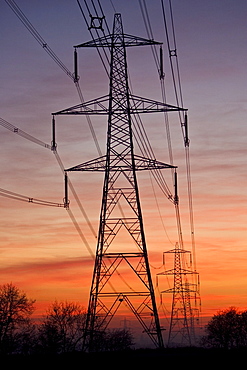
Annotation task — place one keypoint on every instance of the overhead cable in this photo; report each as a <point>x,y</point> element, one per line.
<point>16,196</point>
<point>179,98</point>
<point>138,128</point>
<point>51,53</point>
<point>22,133</point>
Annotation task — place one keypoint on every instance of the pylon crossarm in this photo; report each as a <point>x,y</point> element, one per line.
<point>100,106</point>
<point>131,294</point>
<point>121,163</point>
<point>142,163</point>
<point>139,104</point>
<point>98,164</point>
<point>181,271</point>
<point>111,40</point>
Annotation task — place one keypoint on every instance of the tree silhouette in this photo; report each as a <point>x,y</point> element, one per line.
<point>60,331</point>
<point>62,328</point>
<point>15,312</point>
<point>118,340</point>
<point>227,329</point>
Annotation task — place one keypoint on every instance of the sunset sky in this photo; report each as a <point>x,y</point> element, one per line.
<point>40,249</point>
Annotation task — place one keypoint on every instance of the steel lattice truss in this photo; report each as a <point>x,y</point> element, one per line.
<point>120,209</point>
<point>183,291</point>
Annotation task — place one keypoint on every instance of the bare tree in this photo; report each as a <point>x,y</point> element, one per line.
<point>15,312</point>
<point>62,328</point>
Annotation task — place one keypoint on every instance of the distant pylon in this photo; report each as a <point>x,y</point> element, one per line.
<point>184,290</point>
<point>121,272</point>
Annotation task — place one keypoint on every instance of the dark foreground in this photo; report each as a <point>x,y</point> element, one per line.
<point>171,356</point>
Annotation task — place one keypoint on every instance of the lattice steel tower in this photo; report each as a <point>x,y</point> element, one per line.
<point>184,291</point>
<point>121,272</point>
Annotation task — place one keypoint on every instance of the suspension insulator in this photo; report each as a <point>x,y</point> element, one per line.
<point>53,143</point>
<point>66,199</point>
<point>162,75</point>
<point>186,131</point>
<point>76,77</point>
<point>176,188</point>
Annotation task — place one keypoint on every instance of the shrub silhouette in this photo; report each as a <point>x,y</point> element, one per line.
<point>227,329</point>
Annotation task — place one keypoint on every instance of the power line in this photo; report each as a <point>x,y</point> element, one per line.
<point>37,36</point>
<point>25,135</point>
<point>172,50</point>
<point>138,127</point>
<point>75,195</point>
<point>80,233</point>
<point>147,24</point>
<point>142,135</point>
<point>23,198</point>
<point>51,53</point>
<point>183,120</point>
<point>93,27</point>
<point>22,133</point>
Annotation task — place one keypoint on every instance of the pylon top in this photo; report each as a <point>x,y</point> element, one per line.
<point>112,40</point>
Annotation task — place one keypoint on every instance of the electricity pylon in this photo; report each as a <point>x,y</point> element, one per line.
<point>121,214</point>
<point>183,291</point>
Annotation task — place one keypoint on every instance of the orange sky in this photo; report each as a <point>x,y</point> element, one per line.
<point>41,251</point>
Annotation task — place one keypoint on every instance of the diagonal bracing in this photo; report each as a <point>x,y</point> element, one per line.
<point>121,243</point>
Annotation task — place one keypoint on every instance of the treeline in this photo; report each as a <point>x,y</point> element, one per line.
<point>60,331</point>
